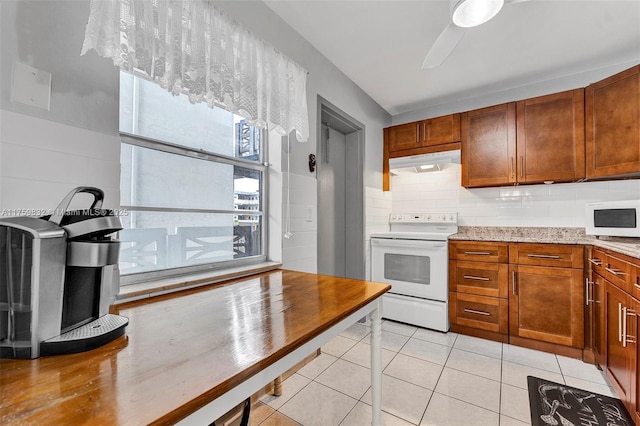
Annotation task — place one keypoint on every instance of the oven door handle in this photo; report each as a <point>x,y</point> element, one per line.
<point>394,243</point>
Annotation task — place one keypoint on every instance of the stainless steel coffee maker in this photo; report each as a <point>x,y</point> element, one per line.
<point>58,277</point>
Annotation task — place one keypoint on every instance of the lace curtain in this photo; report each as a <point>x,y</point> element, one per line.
<point>190,47</point>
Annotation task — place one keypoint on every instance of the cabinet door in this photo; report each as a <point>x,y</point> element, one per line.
<point>551,137</point>
<point>439,130</point>
<point>488,143</point>
<point>589,315</point>
<point>632,341</point>
<point>618,359</point>
<point>405,136</point>
<point>598,323</point>
<point>547,304</point>
<point>612,109</point>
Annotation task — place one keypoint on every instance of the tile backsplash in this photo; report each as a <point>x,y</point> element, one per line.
<point>555,205</point>
<point>41,161</point>
<point>300,251</point>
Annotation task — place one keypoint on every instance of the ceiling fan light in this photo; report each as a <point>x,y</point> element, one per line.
<point>471,13</point>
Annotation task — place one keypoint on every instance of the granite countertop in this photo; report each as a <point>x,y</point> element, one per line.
<point>628,246</point>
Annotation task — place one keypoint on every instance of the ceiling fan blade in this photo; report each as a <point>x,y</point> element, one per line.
<point>443,46</point>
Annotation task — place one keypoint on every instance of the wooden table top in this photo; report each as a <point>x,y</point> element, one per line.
<point>180,351</point>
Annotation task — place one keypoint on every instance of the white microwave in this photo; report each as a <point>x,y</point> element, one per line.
<point>613,218</point>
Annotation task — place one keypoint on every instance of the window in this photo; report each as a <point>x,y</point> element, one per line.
<point>192,179</point>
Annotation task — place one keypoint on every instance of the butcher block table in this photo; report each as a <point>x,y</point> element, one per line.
<point>191,356</point>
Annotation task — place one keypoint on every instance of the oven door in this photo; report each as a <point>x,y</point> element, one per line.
<point>413,267</point>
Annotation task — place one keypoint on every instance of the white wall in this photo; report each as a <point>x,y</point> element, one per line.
<point>555,205</point>
<point>41,160</point>
<point>300,251</point>
<point>326,80</point>
<point>377,209</point>
<point>45,153</point>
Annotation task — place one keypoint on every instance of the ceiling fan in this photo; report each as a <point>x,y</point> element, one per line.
<point>464,14</point>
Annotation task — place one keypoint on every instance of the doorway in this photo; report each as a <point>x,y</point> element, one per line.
<point>340,175</point>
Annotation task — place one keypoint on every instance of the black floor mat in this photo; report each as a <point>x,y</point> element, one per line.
<point>556,404</point>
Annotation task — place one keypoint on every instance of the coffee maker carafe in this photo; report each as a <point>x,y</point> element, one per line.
<point>58,277</point>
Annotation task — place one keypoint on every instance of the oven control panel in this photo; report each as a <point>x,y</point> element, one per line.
<point>424,218</point>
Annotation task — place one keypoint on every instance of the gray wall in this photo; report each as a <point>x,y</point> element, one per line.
<point>82,122</point>
<point>325,79</point>
<point>48,35</point>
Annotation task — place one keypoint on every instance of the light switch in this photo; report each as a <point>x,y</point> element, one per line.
<point>30,86</point>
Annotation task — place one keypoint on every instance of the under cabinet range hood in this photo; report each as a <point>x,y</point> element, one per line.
<point>424,162</point>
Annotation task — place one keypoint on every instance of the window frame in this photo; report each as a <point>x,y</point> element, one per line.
<point>201,154</point>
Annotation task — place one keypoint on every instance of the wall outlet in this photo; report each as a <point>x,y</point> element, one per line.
<point>30,86</point>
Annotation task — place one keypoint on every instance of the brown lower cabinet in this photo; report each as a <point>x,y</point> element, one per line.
<point>527,294</point>
<point>547,304</point>
<point>621,353</point>
<point>555,297</point>
<point>614,288</point>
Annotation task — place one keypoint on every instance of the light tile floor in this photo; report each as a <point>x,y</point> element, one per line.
<point>429,378</point>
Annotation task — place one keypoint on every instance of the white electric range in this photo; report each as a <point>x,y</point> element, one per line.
<point>413,257</point>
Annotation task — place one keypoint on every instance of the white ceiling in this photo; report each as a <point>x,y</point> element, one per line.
<point>380,44</point>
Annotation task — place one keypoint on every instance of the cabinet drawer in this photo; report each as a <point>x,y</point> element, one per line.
<point>479,251</point>
<point>635,280</point>
<point>554,255</point>
<point>618,272</point>
<point>597,261</point>
<point>481,312</point>
<point>480,278</point>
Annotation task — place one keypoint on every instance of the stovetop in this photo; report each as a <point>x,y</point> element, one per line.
<point>436,226</point>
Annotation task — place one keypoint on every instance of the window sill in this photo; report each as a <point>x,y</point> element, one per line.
<point>145,290</point>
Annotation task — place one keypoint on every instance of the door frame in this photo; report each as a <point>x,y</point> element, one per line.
<point>356,249</point>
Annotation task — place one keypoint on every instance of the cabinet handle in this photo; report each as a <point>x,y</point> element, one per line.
<point>513,170</point>
<point>615,272</point>
<point>596,261</point>
<point>473,311</point>
<point>636,285</point>
<point>624,327</point>
<point>543,256</point>
<point>626,338</point>
<point>424,132</point>
<point>471,277</point>
<point>513,283</point>
<point>522,166</point>
<point>417,133</point>
<point>619,322</point>
<point>478,253</point>
<point>586,290</point>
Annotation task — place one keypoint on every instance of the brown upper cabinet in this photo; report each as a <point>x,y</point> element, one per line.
<point>434,131</point>
<point>613,125</point>
<point>488,144</point>
<point>550,137</point>
<point>421,137</point>
<point>591,133</point>
<point>531,141</point>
